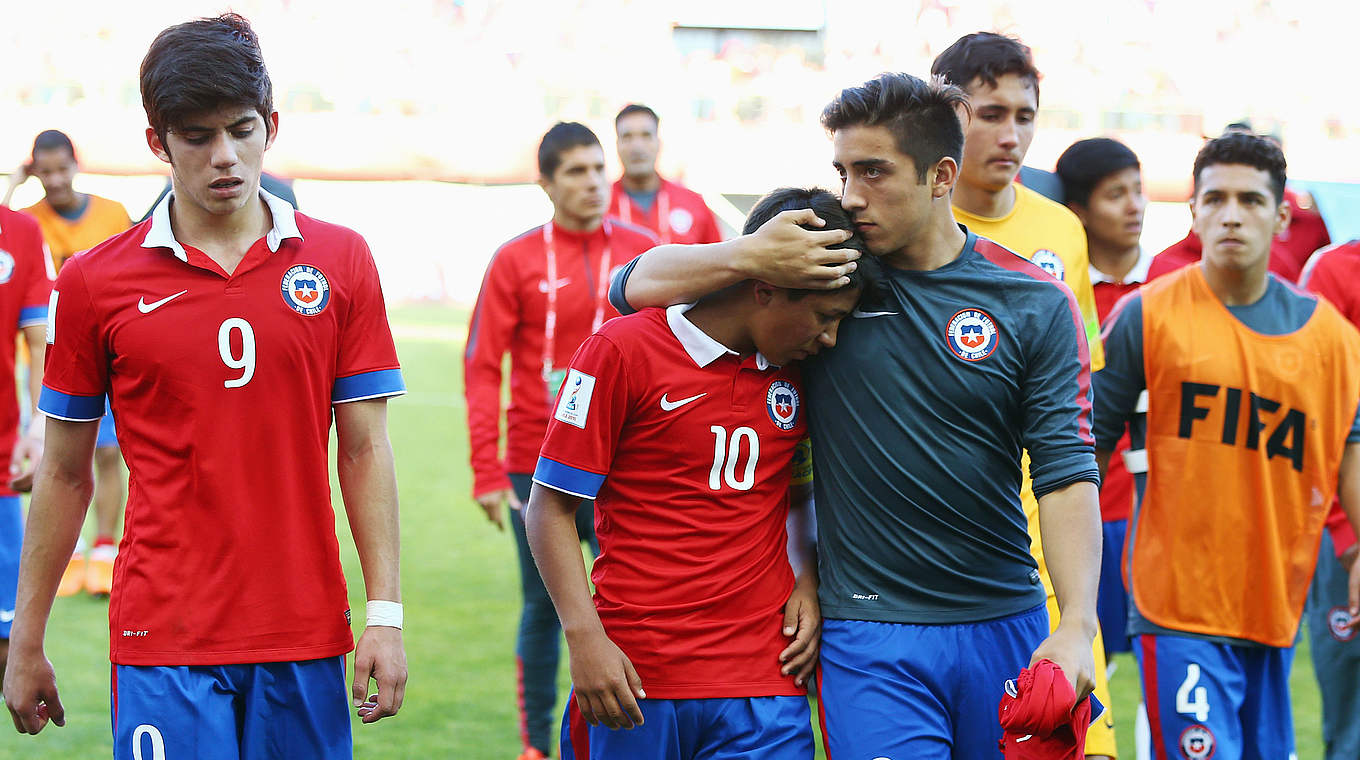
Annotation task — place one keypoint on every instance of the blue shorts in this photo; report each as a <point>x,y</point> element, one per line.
<point>11,540</point>
<point>1206,699</point>
<point>750,728</point>
<point>920,691</point>
<point>1112,604</point>
<point>232,712</point>
<point>107,435</point>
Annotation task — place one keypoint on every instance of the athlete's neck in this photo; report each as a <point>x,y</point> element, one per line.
<point>66,204</point>
<point>1237,287</point>
<point>224,238</point>
<point>642,183</point>
<point>720,316</point>
<point>1115,263</point>
<point>985,202</point>
<point>568,221</point>
<point>939,242</point>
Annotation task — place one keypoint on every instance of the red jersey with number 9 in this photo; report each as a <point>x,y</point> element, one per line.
<point>688,450</point>
<point>222,387</point>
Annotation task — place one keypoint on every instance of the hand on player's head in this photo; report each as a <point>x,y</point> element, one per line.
<point>783,253</point>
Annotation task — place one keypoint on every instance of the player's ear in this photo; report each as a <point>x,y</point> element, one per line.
<point>942,176</point>
<point>764,292</point>
<point>271,129</point>
<point>157,146</point>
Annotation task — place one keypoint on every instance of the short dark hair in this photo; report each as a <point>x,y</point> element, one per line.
<point>1086,162</point>
<point>987,56</point>
<point>562,137</point>
<point>828,208</point>
<point>201,65</point>
<point>1247,150</point>
<point>920,115</point>
<point>52,139</point>
<point>633,108</point>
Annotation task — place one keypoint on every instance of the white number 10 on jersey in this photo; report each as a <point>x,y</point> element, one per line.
<point>726,454</point>
<point>246,361</point>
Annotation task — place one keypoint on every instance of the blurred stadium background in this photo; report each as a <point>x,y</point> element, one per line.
<point>416,121</point>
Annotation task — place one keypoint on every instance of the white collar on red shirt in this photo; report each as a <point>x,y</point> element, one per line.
<point>700,346</point>
<point>161,235</point>
<point>1137,274</point>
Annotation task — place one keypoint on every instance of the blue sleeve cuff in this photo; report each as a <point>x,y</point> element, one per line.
<point>65,406</point>
<point>567,479</point>
<point>33,315</point>
<point>377,384</point>
<point>617,284</point>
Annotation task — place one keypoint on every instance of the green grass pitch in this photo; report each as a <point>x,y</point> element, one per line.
<point>461,598</point>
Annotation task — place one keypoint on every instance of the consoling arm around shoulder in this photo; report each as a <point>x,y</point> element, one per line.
<point>780,252</point>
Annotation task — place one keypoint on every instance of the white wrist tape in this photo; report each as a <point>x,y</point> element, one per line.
<point>383,613</point>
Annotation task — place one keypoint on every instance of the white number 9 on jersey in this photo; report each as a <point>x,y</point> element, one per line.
<point>246,361</point>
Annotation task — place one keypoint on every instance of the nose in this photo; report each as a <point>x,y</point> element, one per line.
<point>1232,213</point>
<point>828,336</point>
<point>851,200</point>
<point>224,152</point>
<point>1009,137</point>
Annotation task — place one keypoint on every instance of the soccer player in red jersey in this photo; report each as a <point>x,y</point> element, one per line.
<point>643,197</point>
<point>1331,273</point>
<point>544,292</point>
<point>25,282</point>
<point>699,588</point>
<point>227,331</point>
<point>1103,185</point>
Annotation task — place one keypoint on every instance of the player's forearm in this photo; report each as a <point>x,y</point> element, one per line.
<point>61,495</point>
<point>368,485</point>
<point>550,522</point>
<point>35,337</point>
<point>483,394</point>
<point>1069,521</point>
<point>1348,485</point>
<point>671,274</point>
<point>801,527</point>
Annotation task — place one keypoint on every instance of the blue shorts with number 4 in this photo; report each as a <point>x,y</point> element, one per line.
<point>925,692</point>
<point>738,728</point>
<point>232,712</point>
<point>1211,700</point>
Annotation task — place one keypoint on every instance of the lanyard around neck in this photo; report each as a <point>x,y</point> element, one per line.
<point>663,213</point>
<point>601,293</point>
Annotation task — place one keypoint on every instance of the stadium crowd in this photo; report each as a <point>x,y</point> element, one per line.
<point>969,439</point>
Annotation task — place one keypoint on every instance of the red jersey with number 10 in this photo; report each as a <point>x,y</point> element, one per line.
<point>222,387</point>
<point>687,449</point>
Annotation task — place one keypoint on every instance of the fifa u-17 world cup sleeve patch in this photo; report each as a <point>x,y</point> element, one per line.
<point>70,407</point>
<point>802,463</point>
<point>368,385</point>
<point>567,479</point>
<point>573,405</point>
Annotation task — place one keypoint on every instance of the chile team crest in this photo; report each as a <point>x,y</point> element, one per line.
<point>971,335</point>
<point>782,403</point>
<point>305,289</point>
<point>1197,743</point>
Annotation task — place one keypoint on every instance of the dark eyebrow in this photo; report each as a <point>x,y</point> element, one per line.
<point>234,125</point>
<point>872,163</point>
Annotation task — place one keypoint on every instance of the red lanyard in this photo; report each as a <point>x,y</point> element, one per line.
<point>601,294</point>
<point>663,213</point>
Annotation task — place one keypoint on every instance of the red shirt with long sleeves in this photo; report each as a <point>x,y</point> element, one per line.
<point>688,218</point>
<point>510,316</point>
<point>1332,273</point>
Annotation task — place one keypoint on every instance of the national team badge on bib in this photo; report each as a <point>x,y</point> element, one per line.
<point>6,266</point>
<point>1049,262</point>
<point>971,335</point>
<point>782,403</point>
<point>1337,620</point>
<point>1197,743</point>
<point>681,220</point>
<point>305,289</point>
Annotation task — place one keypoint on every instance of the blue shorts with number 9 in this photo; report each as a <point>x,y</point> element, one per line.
<point>232,712</point>
<point>1207,699</point>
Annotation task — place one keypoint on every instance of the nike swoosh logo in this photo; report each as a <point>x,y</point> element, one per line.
<point>6,616</point>
<point>857,314</point>
<point>671,406</point>
<point>1024,738</point>
<point>147,308</point>
<point>561,283</point>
